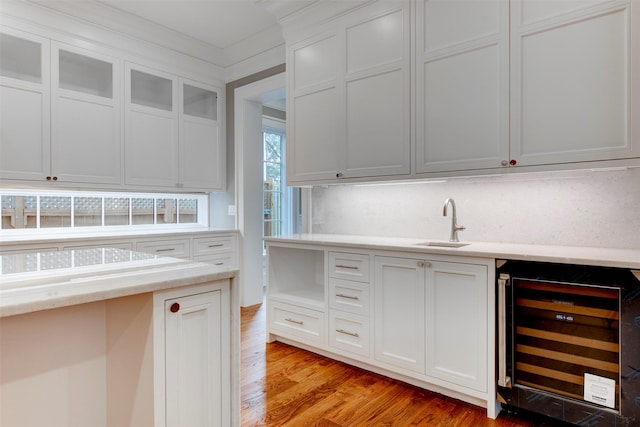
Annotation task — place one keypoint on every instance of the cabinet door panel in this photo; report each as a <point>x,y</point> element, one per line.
<point>202,150</point>
<point>399,314</point>
<point>315,63</point>
<point>314,132</point>
<point>571,88</point>
<point>151,156</point>
<point>375,42</point>
<point>24,142</point>
<point>85,141</point>
<point>457,324</point>
<point>462,85</point>
<point>462,122</point>
<point>194,338</point>
<point>377,125</point>
<point>447,23</point>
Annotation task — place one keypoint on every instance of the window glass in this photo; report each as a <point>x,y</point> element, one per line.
<point>188,211</point>
<point>142,211</point>
<point>20,59</point>
<point>116,211</point>
<point>166,212</point>
<point>55,212</point>
<point>24,209</point>
<point>87,211</point>
<point>151,91</point>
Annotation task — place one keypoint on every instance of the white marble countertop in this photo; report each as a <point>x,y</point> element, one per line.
<point>39,281</point>
<point>609,257</point>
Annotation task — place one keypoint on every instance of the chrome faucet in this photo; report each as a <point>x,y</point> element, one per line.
<point>454,220</point>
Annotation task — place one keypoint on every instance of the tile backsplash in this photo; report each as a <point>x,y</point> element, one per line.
<point>599,208</point>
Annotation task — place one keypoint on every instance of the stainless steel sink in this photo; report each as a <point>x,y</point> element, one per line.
<point>443,244</point>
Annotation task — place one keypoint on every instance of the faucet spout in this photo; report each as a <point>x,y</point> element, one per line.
<point>454,219</point>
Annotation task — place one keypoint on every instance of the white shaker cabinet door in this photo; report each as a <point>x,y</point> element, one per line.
<point>202,149</point>
<point>85,116</point>
<point>196,350</point>
<point>24,107</point>
<point>574,66</point>
<point>457,334</point>
<point>377,93</point>
<point>399,313</point>
<point>462,85</point>
<point>151,128</point>
<point>313,96</point>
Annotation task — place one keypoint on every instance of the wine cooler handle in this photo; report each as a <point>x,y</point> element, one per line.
<point>503,379</point>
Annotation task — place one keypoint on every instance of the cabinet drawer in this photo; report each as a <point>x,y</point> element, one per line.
<point>296,322</point>
<point>222,260</point>
<point>178,248</point>
<point>213,245</point>
<point>349,266</point>
<point>349,296</point>
<point>349,332</point>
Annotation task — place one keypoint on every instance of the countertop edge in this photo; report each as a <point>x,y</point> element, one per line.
<point>144,282</point>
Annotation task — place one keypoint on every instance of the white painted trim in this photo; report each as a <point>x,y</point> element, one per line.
<point>248,106</point>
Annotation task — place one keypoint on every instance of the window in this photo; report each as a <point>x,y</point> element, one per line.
<point>75,211</point>
<point>281,204</point>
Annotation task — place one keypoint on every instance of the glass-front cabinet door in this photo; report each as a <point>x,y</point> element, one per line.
<point>85,132</point>
<point>151,128</point>
<point>24,109</point>
<point>201,147</point>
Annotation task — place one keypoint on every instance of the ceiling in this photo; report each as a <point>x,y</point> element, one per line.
<point>220,23</point>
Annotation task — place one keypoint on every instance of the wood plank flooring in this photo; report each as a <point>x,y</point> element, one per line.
<point>285,386</point>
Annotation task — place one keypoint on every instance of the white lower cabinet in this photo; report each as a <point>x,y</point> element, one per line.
<point>399,313</point>
<point>192,371</point>
<point>456,298</point>
<point>419,317</point>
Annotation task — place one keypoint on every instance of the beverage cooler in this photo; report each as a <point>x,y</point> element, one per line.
<point>569,342</point>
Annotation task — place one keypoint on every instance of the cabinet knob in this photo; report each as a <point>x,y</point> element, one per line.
<point>339,175</point>
<point>55,178</point>
<point>504,163</point>
<point>513,162</point>
<point>424,264</point>
<point>175,307</point>
<point>48,178</point>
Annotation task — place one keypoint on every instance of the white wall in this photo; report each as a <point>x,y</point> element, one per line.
<point>574,208</point>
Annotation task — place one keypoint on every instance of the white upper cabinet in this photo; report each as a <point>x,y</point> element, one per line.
<point>462,84</point>
<point>151,128</point>
<point>173,135</point>
<point>572,66</point>
<point>537,85</point>
<point>313,135</point>
<point>85,116</point>
<point>24,109</point>
<point>202,153</point>
<point>349,92</point>
<point>77,114</point>
<point>60,112</point>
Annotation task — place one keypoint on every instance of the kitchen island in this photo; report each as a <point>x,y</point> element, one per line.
<point>105,336</point>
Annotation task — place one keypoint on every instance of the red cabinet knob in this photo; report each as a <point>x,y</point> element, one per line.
<point>175,307</point>
<point>512,162</point>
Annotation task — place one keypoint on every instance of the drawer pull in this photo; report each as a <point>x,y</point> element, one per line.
<point>353,334</point>
<point>297,322</point>
<point>217,245</point>
<point>166,250</point>
<point>347,296</point>
<point>349,267</point>
<point>219,263</point>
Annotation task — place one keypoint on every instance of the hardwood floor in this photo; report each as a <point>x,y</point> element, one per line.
<point>285,386</point>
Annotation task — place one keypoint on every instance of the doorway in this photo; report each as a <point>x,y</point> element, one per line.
<point>249,174</point>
